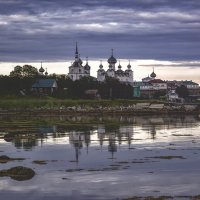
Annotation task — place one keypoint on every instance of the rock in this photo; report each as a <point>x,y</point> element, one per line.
<point>4,159</point>
<point>140,106</point>
<point>18,173</point>
<point>156,106</point>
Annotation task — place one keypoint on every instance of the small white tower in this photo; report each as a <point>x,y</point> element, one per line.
<point>129,72</point>
<point>101,73</point>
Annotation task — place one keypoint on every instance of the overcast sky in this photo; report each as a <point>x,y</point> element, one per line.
<point>33,30</point>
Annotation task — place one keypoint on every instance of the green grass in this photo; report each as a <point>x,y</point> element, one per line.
<point>12,102</point>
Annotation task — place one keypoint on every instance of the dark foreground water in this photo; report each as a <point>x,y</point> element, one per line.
<point>102,157</point>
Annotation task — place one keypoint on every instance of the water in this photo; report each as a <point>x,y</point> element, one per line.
<point>112,157</point>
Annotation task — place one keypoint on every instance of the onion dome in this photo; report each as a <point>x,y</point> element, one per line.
<point>101,66</point>
<point>112,59</point>
<point>119,67</point>
<point>41,70</point>
<point>153,75</point>
<point>129,65</point>
<point>101,70</point>
<point>46,73</point>
<point>87,67</point>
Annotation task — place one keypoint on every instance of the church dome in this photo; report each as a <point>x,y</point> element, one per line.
<point>41,70</point>
<point>119,67</point>
<point>101,66</point>
<point>112,60</point>
<point>80,61</point>
<point>153,75</point>
<point>87,67</point>
<point>129,65</point>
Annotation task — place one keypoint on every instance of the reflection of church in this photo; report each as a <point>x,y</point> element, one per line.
<point>118,136</point>
<point>78,139</point>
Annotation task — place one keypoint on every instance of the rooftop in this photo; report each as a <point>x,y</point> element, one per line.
<point>44,83</point>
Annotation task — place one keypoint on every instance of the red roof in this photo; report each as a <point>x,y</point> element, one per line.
<point>157,81</point>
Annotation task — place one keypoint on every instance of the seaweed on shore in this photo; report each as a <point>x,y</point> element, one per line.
<point>18,173</point>
<point>5,159</point>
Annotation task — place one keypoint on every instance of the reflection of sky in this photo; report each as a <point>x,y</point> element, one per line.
<point>148,140</point>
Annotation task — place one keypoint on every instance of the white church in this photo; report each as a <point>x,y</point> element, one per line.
<point>77,70</point>
<point>123,76</point>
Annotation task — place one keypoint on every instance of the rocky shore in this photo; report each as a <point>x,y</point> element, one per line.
<point>134,109</point>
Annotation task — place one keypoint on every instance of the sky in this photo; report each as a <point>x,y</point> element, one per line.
<point>160,33</point>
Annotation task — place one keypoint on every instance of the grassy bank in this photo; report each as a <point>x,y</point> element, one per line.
<point>12,102</point>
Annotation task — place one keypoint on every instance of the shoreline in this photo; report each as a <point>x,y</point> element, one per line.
<point>66,112</point>
<point>51,107</point>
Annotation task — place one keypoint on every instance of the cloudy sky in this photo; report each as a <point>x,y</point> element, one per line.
<point>164,31</point>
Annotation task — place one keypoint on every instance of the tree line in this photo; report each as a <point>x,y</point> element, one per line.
<point>23,77</point>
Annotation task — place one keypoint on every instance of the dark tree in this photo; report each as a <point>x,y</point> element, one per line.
<point>182,91</point>
<point>29,71</point>
<point>25,71</point>
<point>17,72</point>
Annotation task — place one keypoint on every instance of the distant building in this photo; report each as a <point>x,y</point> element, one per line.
<point>172,96</point>
<point>158,84</point>
<point>193,88</point>
<point>123,76</point>
<point>77,70</point>
<point>150,86</point>
<point>44,87</point>
<point>149,78</point>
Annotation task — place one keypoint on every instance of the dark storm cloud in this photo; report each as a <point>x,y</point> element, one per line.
<point>137,29</point>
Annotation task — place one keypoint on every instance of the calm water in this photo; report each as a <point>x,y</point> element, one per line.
<point>102,157</point>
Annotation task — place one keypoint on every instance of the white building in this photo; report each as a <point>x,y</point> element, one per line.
<point>77,70</point>
<point>123,76</point>
<point>158,84</point>
<point>172,95</point>
<point>149,78</point>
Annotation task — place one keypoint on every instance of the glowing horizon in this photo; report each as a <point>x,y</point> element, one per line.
<point>165,70</point>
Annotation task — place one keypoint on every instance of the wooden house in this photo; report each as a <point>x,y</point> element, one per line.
<point>44,87</point>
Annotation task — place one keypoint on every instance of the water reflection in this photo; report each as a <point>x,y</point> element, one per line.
<point>110,131</point>
<point>122,156</point>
